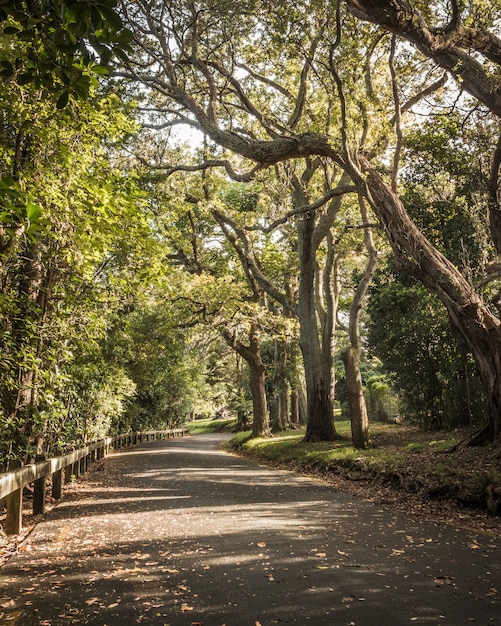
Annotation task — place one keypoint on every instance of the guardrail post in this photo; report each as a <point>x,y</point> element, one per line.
<point>14,519</point>
<point>57,484</point>
<point>39,490</point>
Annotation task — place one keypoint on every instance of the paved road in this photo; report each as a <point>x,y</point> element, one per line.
<point>178,533</point>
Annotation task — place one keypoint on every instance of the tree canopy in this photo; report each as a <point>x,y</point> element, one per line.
<point>190,183</point>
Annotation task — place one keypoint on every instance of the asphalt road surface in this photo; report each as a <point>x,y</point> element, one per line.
<point>178,533</point>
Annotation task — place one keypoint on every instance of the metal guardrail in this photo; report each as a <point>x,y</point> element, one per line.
<point>73,463</point>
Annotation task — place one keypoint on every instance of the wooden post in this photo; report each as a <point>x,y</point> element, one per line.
<point>67,473</point>
<point>39,490</point>
<point>14,519</point>
<point>57,483</point>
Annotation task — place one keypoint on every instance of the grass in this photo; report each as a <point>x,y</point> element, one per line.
<point>199,427</point>
<point>288,449</point>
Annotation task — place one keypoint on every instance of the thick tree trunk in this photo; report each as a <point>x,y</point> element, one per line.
<point>351,357</point>
<point>320,424</point>
<point>356,401</point>
<point>260,426</point>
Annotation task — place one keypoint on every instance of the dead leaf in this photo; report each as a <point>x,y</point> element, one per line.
<point>348,599</point>
<point>13,617</point>
<point>261,544</point>
<point>186,607</point>
<point>443,580</point>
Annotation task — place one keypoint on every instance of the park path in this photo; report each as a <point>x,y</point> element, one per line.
<point>177,532</point>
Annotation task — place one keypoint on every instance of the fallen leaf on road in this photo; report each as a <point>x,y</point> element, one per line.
<point>348,599</point>
<point>261,544</point>
<point>443,580</point>
<point>13,617</point>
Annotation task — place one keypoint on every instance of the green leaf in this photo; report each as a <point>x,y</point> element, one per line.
<point>33,212</point>
<point>124,36</point>
<point>100,70</point>
<point>112,18</point>
<point>11,30</point>
<point>62,101</point>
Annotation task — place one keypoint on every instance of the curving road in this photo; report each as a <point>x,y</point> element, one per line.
<point>178,533</point>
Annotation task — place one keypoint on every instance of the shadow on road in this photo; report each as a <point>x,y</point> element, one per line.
<point>177,532</point>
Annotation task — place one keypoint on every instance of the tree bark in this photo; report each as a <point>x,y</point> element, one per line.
<point>251,354</point>
<point>320,424</point>
<point>356,401</point>
<point>260,425</point>
<point>351,357</point>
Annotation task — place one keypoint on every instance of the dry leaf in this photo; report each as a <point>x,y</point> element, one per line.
<point>186,607</point>
<point>261,544</point>
<point>13,617</point>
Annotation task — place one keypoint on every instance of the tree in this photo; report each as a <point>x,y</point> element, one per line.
<point>351,356</point>
<point>435,378</point>
<point>226,91</point>
<point>61,46</point>
<point>67,265</point>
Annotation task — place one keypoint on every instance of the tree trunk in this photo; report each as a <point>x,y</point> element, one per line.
<point>294,402</point>
<point>280,420</point>
<point>356,401</point>
<point>260,426</point>
<point>320,424</point>
<point>351,357</point>
<point>251,354</point>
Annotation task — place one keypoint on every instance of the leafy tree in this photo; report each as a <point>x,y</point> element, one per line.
<point>68,262</point>
<point>207,73</point>
<point>435,377</point>
<point>61,46</point>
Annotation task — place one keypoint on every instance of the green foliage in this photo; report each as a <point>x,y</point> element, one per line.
<point>74,243</point>
<point>445,186</point>
<point>61,46</point>
<point>408,331</point>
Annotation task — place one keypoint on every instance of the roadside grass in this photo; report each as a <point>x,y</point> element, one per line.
<point>288,449</point>
<point>199,427</point>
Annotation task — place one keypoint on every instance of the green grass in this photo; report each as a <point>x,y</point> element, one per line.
<point>199,427</point>
<point>288,449</point>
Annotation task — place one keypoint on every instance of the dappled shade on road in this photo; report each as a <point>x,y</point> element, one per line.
<point>177,532</point>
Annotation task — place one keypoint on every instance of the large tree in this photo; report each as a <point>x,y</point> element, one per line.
<point>204,70</point>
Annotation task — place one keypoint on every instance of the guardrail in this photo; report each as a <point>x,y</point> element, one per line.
<point>72,463</point>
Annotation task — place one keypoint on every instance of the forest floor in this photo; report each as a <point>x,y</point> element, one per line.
<point>405,467</point>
